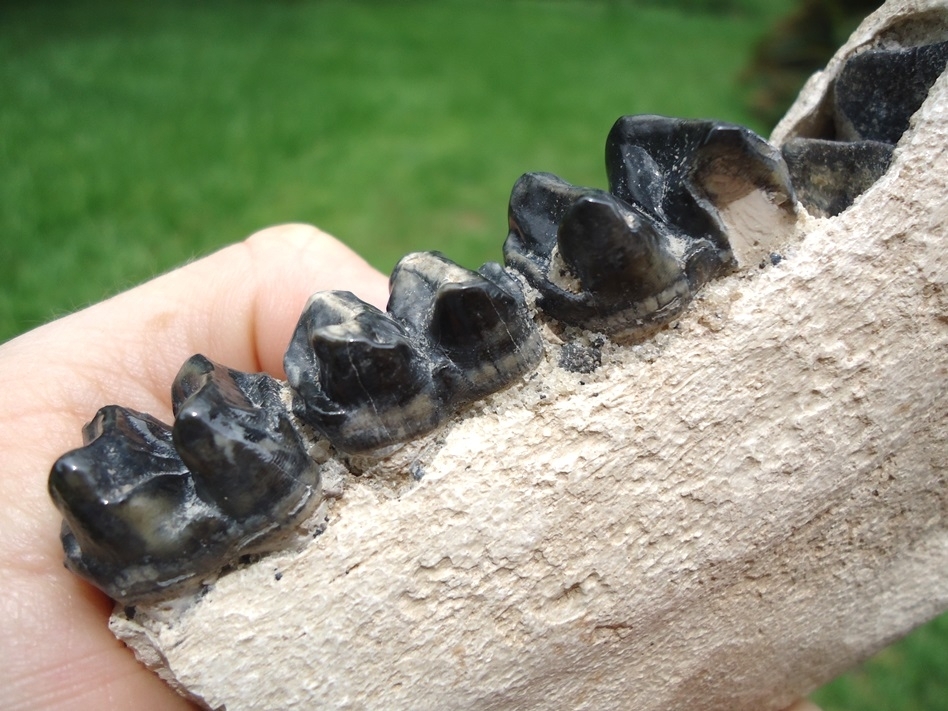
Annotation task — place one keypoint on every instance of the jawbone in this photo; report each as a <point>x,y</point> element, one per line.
<point>722,516</point>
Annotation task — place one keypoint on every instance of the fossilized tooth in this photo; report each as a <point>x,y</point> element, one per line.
<point>878,90</point>
<point>830,175</point>
<point>235,435</point>
<point>357,376</point>
<point>625,261</point>
<point>596,261</point>
<point>873,99</point>
<point>133,524</point>
<point>683,171</point>
<point>538,202</point>
<point>476,325</point>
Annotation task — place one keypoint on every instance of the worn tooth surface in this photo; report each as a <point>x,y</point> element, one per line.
<point>596,261</point>
<point>357,376</point>
<point>133,523</point>
<point>629,259</point>
<point>475,325</point>
<point>235,435</point>
<point>878,90</point>
<point>617,253</point>
<point>830,175</point>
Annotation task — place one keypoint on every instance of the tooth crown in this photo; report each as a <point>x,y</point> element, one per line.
<point>367,379</point>
<point>150,510</point>
<point>624,260</point>
<point>474,326</point>
<point>357,376</point>
<point>153,511</point>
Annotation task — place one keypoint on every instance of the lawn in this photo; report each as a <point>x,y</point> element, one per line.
<point>134,137</point>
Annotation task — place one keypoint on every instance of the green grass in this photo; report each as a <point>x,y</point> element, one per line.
<point>136,136</point>
<point>911,675</point>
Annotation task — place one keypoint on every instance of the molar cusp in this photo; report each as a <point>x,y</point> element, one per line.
<point>614,250</point>
<point>414,283</point>
<point>351,370</point>
<point>466,315</point>
<point>734,161</point>
<point>538,202</point>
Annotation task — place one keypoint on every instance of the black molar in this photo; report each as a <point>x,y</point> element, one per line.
<point>133,524</point>
<point>235,435</point>
<point>873,100</point>
<point>357,375</point>
<point>830,175</point>
<point>878,90</point>
<point>538,202</point>
<point>596,261</point>
<point>616,252</point>
<point>683,171</point>
<point>475,325</point>
<point>630,259</point>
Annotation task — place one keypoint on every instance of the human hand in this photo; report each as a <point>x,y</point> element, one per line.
<point>239,307</point>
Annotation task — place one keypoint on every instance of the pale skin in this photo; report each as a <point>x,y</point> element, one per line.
<point>238,307</point>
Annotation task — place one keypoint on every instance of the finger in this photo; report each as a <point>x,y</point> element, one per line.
<point>238,306</point>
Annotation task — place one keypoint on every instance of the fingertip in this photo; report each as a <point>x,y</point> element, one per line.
<point>321,261</point>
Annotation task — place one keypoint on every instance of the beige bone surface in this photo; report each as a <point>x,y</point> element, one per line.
<point>723,518</point>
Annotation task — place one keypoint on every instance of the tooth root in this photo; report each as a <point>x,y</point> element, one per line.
<point>234,434</point>
<point>474,325</point>
<point>357,376</point>
<point>616,252</point>
<point>133,523</point>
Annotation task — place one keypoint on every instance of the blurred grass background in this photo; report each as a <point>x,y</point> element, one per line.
<point>134,137</point>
